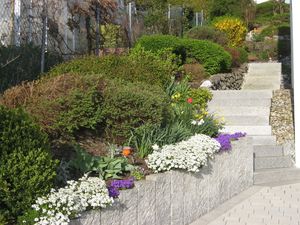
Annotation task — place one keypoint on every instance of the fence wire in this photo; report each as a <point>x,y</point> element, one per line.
<point>55,25</point>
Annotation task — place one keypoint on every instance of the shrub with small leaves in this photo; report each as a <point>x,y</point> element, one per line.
<point>131,105</point>
<point>27,169</point>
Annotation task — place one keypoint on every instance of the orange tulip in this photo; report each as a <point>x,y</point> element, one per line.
<point>126,151</point>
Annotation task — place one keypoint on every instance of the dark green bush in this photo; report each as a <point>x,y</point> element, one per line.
<point>62,105</point>
<point>130,105</point>
<point>208,33</point>
<point>23,63</point>
<point>212,56</point>
<point>26,167</point>
<point>138,66</point>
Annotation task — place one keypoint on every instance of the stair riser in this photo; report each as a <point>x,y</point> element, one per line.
<point>240,111</point>
<point>264,151</point>
<point>275,176</point>
<point>264,140</point>
<point>250,130</point>
<point>243,94</point>
<point>272,162</point>
<point>221,102</point>
<point>246,120</point>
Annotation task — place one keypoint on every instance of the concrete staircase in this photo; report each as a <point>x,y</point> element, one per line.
<point>248,110</point>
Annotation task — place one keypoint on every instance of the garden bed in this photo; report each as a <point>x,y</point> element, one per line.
<point>177,197</point>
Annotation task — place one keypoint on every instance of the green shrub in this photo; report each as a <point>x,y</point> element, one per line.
<point>138,66</point>
<point>212,56</point>
<point>130,105</point>
<point>18,64</point>
<point>208,33</point>
<point>26,167</point>
<point>62,105</point>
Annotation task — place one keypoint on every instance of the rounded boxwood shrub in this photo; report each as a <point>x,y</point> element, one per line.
<point>131,105</point>
<point>211,55</point>
<point>26,167</point>
<point>62,105</point>
<point>208,33</point>
<point>23,63</point>
<point>138,66</point>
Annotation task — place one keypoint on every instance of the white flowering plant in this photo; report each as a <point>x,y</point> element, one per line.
<point>64,204</point>
<point>188,155</point>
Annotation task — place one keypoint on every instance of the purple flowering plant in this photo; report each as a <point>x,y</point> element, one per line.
<point>225,140</point>
<point>117,185</point>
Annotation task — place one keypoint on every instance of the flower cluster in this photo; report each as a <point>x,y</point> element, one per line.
<point>225,140</point>
<point>117,185</point>
<point>66,203</point>
<point>189,155</point>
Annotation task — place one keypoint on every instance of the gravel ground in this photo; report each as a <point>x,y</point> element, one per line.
<point>282,116</point>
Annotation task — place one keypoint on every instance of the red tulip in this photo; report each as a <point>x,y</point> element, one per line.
<point>190,100</point>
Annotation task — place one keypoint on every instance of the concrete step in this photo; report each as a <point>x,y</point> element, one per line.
<point>251,86</point>
<point>250,130</point>
<point>248,94</point>
<point>264,140</point>
<point>217,102</point>
<point>266,176</point>
<point>267,150</point>
<point>246,120</point>
<point>263,73</point>
<point>273,66</point>
<point>270,162</point>
<point>240,111</point>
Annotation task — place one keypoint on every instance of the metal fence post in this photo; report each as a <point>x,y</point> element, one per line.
<point>97,29</point>
<point>44,35</point>
<point>17,27</point>
<point>130,23</point>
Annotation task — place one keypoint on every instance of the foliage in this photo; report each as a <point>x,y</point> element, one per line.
<point>62,105</point>
<point>105,167</point>
<point>238,55</point>
<point>64,204</point>
<point>234,28</point>
<point>270,31</point>
<point>237,8</point>
<point>26,167</point>
<point>189,155</point>
<point>195,72</point>
<point>130,105</point>
<point>208,33</point>
<point>138,66</point>
<point>18,64</point>
<point>212,56</point>
<point>144,137</point>
<point>137,174</point>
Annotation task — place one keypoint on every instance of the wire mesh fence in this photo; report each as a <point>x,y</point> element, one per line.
<point>78,27</point>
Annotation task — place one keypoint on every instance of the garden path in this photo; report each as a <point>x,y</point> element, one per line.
<point>272,200</point>
<point>259,205</point>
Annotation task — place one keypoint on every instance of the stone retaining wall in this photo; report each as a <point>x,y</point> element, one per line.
<point>179,198</point>
<point>229,81</point>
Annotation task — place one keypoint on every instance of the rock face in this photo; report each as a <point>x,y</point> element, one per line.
<point>179,197</point>
<point>229,81</point>
<point>282,116</point>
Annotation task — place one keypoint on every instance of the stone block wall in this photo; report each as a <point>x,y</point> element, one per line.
<point>179,198</point>
<point>229,81</point>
